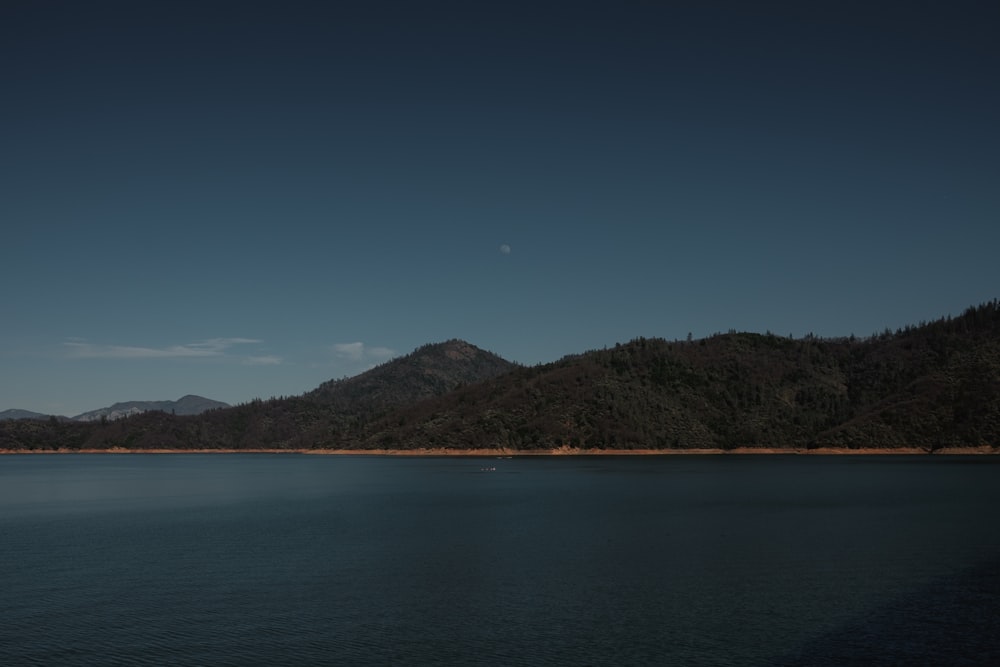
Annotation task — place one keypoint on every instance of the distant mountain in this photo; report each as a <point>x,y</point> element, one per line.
<point>186,405</point>
<point>22,414</point>
<point>931,386</point>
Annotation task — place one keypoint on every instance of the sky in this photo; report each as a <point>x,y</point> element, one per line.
<point>245,199</point>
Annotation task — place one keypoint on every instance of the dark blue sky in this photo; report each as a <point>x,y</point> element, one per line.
<point>246,199</point>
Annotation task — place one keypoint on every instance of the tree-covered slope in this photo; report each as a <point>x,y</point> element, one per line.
<point>323,417</point>
<point>931,386</point>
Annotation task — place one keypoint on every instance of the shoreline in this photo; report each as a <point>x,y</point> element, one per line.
<point>983,450</point>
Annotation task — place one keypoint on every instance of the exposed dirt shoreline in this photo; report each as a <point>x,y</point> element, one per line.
<point>559,451</point>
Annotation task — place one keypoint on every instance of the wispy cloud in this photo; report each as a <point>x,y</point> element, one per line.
<point>213,347</point>
<point>266,360</point>
<point>359,352</point>
<point>353,351</point>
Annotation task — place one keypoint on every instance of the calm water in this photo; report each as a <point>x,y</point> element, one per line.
<point>290,560</point>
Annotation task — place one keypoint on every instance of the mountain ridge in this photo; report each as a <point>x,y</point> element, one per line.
<point>930,386</point>
<point>189,404</point>
<point>15,413</point>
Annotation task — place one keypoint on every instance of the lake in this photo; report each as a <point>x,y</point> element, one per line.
<point>230,559</point>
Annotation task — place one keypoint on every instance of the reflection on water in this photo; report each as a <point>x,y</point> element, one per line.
<point>270,559</point>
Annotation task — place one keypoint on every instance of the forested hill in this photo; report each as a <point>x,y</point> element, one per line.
<point>930,386</point>
<point>330,414</point>
<point>934,385</point>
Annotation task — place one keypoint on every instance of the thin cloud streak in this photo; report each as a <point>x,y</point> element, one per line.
<point>266,360</point>
<point>358,351</point>
<point>213,347</point>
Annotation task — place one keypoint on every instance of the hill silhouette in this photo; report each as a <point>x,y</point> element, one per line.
<point>933,386</point>
<point>329,414</point>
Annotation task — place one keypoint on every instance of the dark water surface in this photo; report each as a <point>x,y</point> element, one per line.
<point>291,560</point>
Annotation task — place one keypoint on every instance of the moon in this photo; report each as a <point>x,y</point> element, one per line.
<point>504,249</point>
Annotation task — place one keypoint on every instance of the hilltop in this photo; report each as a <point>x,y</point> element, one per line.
<point>932,386</point>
